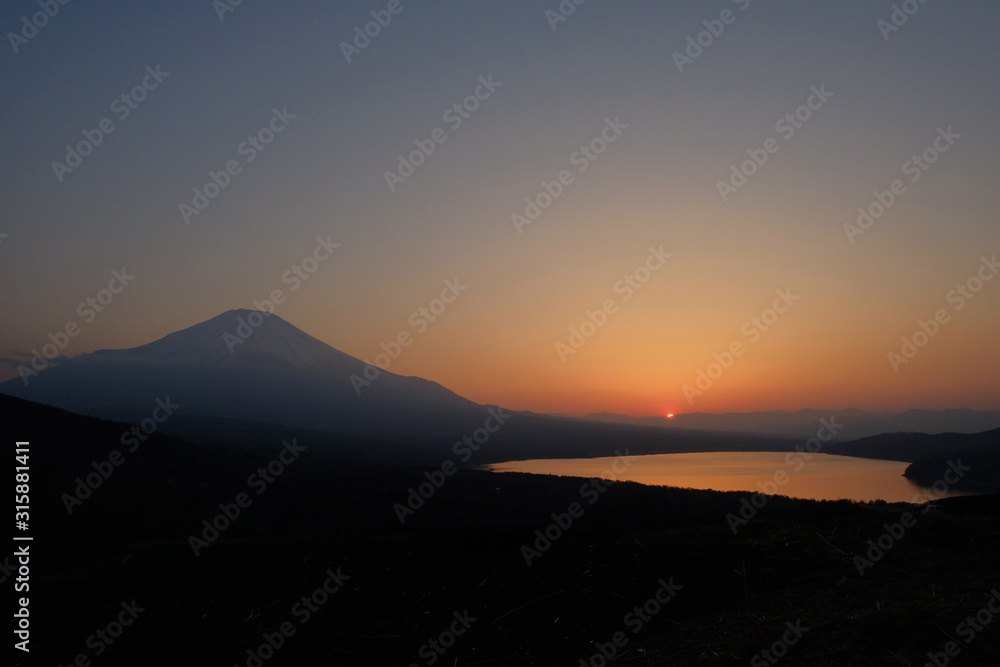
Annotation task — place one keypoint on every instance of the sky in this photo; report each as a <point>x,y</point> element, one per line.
<point>635,207</point>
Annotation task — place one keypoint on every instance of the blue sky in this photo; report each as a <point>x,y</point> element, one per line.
<point>324,175</point>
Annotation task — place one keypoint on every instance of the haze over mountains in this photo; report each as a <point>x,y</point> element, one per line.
<point>244,376</point>
<point>250,375</point>
<point>803,423</point>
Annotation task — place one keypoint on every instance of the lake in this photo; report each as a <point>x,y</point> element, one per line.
<point>822,477</point>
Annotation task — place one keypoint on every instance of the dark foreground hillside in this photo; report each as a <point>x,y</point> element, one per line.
<point>318,564</point>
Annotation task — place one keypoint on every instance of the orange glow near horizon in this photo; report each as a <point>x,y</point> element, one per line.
<point>639,363</point>
<point>631,288</point>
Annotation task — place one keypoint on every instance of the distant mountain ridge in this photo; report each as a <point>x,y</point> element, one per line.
<point>804,423</point>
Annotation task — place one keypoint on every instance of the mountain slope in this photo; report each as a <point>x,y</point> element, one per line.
<point>932,456</point>
<point>272,373</point>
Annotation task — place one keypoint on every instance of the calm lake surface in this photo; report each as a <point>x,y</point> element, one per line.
<point>823,477</point>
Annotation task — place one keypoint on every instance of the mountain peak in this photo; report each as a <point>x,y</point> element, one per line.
<point>241,336</point>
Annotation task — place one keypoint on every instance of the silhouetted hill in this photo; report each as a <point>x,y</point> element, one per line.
<point>463,550</point>
<point>912,446</point>
<point>929,455</point>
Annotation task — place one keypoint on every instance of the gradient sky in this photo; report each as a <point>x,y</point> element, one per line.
<point>656,185</point>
